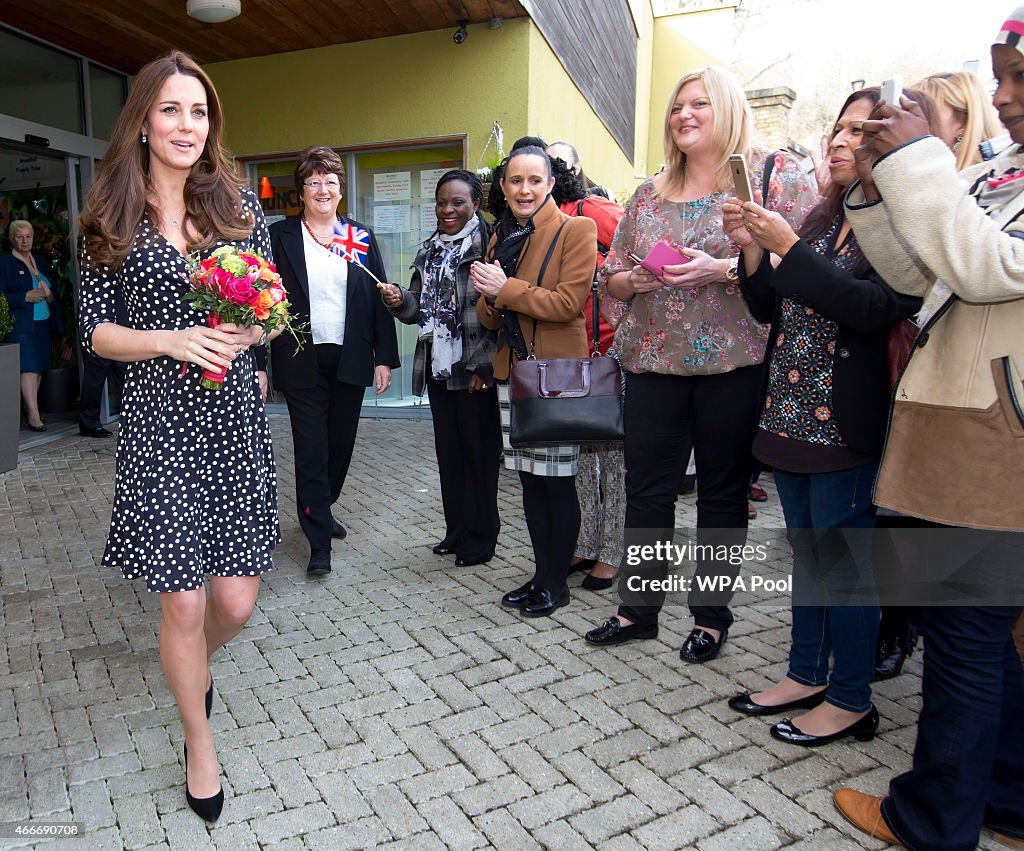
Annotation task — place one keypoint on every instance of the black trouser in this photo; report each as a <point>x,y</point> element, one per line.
<point>94,376</point>
<point>467,439</point>
<point>552,512</point>
<point>665,416</point>
<point>325,418</point>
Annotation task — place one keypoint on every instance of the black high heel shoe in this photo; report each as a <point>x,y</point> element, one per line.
<point>209,699</point>
<point>206,808</point>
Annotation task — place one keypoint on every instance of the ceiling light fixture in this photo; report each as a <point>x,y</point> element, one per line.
<point>214,11</point>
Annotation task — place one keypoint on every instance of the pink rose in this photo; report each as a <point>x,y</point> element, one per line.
<point>277,294</point>
<point>239,291</point>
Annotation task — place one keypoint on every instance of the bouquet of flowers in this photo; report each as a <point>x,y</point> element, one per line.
<point>238,287</point>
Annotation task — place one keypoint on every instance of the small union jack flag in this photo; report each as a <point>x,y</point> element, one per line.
<point>351,243</point>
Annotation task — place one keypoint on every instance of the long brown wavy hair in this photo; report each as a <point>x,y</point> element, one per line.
<point>121,192</point>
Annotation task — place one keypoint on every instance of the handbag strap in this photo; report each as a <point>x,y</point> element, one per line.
<point>595,328</point>
<point>540,283</point>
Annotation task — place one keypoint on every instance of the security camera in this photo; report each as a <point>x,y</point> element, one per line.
<point>461,34</point>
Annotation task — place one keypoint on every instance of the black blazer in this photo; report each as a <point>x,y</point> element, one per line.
<point>370,338</point>
<point>865,308</point>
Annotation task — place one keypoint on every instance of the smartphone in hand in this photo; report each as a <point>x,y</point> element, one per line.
<point>892,91</point>
<point>740,177</point>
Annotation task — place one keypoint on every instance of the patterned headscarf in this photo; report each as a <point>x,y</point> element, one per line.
<point>1012,30</point>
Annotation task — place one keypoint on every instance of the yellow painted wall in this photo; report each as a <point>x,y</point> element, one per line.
<point>370,92</point>
<point>682,43</point>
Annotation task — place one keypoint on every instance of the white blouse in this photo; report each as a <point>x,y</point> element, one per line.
<point>328,289</point>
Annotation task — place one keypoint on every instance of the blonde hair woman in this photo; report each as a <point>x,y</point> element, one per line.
<point>692,351</point>
<point>963,116</point>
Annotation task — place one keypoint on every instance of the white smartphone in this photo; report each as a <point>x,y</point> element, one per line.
<point>892,90</point>
<point>740,178</point>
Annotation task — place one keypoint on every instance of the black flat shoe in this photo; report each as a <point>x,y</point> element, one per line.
<point>469,562</point>
<point>206,808</point>
<point>337,530</point>
<point>209,699</point>
<point>319,563</point>
<point>31,427</point>
<point>581,566</point>
<point>541,602</point>
<point>597,583</point>
<point>85,431</point>
<point>863,730</point>
<point>700,646</point>
<point>746,704</point>
<point>515,599</point>
<point>443,549</point>
<point>613,632</point>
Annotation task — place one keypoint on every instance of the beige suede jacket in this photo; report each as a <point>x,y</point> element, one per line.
<point>955,448</point>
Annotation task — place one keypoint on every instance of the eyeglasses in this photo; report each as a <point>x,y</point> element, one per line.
<point>316,185</point>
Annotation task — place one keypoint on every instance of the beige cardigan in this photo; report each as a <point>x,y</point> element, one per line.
<point>955,448</point>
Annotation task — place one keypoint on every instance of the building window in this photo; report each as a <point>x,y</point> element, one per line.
<point>40,83</point>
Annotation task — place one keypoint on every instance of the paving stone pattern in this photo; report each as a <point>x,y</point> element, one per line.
<point>394,703</point>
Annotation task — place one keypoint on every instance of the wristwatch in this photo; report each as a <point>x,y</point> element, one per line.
<point>732,274</point>
<point>263,338</point>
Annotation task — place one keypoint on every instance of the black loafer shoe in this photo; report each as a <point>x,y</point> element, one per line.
<point>745,703</point>
<point>613,632</point>
<point>597,583</point>
<point>542,602</point>
<point>337,530</point>
<point>580,566</point>
<point>515,599</point>
<point>469,562</point>
<point>700,645</point>
<point>319,563</point>
<point>443,549</point>
<point>85,431</point>
<point>863,730</point>
<point>38,428</point>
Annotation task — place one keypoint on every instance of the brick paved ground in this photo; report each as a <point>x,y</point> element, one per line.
<point>394,704</point>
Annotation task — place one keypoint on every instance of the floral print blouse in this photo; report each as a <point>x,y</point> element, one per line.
<point>708,329</point>
<point>798,404</point>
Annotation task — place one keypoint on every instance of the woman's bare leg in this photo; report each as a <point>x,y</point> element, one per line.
<point>184,657</point>
<point>30,382</point>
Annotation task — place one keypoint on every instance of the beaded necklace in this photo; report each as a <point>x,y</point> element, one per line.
<point>316,239</point>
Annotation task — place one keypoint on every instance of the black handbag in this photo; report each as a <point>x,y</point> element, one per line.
<point>565,400</point>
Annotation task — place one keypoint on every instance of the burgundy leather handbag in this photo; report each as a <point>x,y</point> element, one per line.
<point>565,400</point>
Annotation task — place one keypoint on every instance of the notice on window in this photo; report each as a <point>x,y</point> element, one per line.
<point>392,218</point>
<point>392,186</point>
<point>428,220</point>
<point>428,181</point>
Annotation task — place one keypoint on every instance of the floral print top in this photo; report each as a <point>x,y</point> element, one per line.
<point>798,404</point>
<point>708,329</point>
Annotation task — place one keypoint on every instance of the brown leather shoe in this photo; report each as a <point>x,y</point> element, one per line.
<point>864,812</point>
<point>1003,839</point>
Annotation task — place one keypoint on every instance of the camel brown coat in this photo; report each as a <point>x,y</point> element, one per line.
<point>557,304</point>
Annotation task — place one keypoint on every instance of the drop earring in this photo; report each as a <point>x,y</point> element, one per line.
<point>957,141</point>
<point>144,137</point>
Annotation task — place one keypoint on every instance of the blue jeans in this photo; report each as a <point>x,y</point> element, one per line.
<point>828,521</point>
<point>968,765</point>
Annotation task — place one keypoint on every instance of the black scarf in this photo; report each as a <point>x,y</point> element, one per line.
<point>512,241</point>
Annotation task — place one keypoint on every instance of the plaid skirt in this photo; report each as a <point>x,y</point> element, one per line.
<point>538,460</point>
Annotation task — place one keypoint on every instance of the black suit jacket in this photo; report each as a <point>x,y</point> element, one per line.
<point>370,338</point>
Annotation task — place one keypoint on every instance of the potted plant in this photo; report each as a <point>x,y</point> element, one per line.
<point>10,392</point>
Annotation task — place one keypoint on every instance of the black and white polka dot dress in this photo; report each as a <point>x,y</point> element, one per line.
<point>196,487</point>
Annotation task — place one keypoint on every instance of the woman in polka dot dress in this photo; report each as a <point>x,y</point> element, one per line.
<point>196,491</point>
